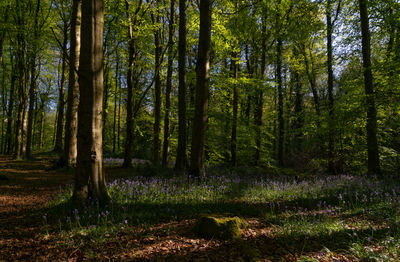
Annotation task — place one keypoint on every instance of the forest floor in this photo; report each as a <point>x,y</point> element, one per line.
<point>28,233</point>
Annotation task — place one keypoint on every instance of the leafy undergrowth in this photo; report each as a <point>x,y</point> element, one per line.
<point>333,218</point>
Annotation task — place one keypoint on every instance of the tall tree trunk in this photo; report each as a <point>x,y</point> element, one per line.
<point>181,157</point>
<point>71,118</point>
<point>117,88</point>
<point>58,147</point>
<point>372,141</point>
<point>235,67</point>
<point>131,96</point>
<point>259,98</point>
<point>331,147</point>
<point>298,109</point>
<point>10,111</point>
<point>168,86</point>
<point>32,88</point>
<point>90,178</point>
<point>197,161</point>
<point>281,130</point>
<point>157,95</point>
<point>21,79</point>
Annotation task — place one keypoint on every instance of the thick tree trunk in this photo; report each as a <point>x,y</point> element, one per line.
<point>168,86</point>
<point>58,147</point>
<point>157,96</point>
<point>71,121</point>
<point>372,141</point>
<point>181,157</point>
<point>329,27</point>
<point>197,161</point>
<point>90,178</point>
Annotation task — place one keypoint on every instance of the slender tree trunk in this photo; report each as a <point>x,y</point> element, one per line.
<point>331,146</point>
<point>105,96</point>
<point>21,79</point>
<point>202,85</point>
<point>90,178</point>
<point>372,141</point>
<point>130,101</point>
<point>298,109</point>
<point>41,132</point>
<point>10,112</point>
<point>117,88</point>
<point>259,98</point>
<point>71,123</point>
<point>181,157</point>
<point>281,130</point>
<point>157,95</point>
<point>32,89</point>
<point>168,86</point>
<point>235,67</point>
<point>58,147</point>
<point>119,118</point>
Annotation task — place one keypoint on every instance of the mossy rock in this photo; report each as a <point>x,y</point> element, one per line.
<point>219,227</point>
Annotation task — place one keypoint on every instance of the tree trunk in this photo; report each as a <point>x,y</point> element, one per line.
<point>372,141</point>
<point>330,89</point>
<point>90,178</point>
<point>71,123</point>
<point>21,79</point>
<point>259,98</point>
<point>168,86</point>
<point>235,67</point>
<point>10,112</point>
<point>181,157</point>
<point>32,89</point>
<point>157,95</point>
<point>58,147</point>
<point>130,100</point>
<point>117,88</point>
<point>281,130</point>
<point>197,164</point>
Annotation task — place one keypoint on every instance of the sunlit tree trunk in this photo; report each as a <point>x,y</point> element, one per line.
<point>281,126</point>
<point>71,123</point>
<point>197,164</point>
<point>90,178</point>
<point>235,66</point>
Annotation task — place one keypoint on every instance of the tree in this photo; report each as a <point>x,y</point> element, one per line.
<point>181,157</point>
<point>90,178</point>
<point>71,123</point>
<point>197,161</point>
<point>372,141</point>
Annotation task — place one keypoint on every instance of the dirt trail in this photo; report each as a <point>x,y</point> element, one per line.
<point>25,188</point>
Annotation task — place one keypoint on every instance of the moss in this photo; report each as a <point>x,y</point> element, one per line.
<point>219,227</point>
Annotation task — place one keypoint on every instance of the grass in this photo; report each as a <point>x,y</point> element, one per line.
<point>352,216</point>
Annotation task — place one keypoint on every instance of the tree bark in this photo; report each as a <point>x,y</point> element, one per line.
<point>281,130</point>
<point>372,141</point>
<point>117,88</point>
<point>58,147</point>
<point>130,101</point>
<point>168,86</point>
<point>202,85</point>
<point>32,88</point>
<point>90,178</point>
<point>181,157</point>
<point>71,123</point>
<point>157,95</point>
<point>235,67</point>
<point>331,146</point>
